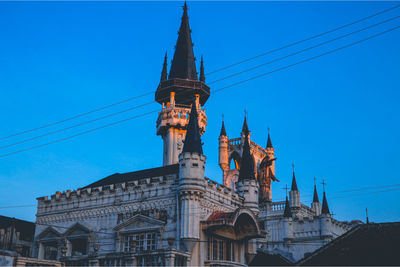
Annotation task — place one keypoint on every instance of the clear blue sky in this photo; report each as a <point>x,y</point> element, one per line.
<point>336,117</point>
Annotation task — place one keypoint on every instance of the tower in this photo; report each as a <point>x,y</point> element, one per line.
<point>247,185</point>
<point>176,91</point>
<point>287,222</point>
<point>223,160</point>
<point>325,217</point>
<point>192,185</point>
<point>267,172</point>
<point>294,194</point>
<point>315,205</point>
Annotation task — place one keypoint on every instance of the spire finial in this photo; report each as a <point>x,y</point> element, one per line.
<point>323,184</point>
<point>202,75</point>
<point>366,213</point>
<point>223,131</point>
<point>286,189</point>
<point>183,63</point>
<point>245,128</point>
<point>315,198</point>
<point>294,183</point>
<point>269,142</point>
<point>287,213</point>
<point>325,208</point>
<point>164,72</point>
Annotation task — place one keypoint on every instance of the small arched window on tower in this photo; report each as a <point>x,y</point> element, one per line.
<point>234,162</point>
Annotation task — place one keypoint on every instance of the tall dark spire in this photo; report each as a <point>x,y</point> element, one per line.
<point>325,208</point>
<point>183,64</point>
<point>193,140</point>
<point>202,75</point>
<point>223,131</point>
<point>315,197</point>
<point>269,142</point>
<point>246,171</point>
<point>164,72</point>
<point>245,128</point>
<point>294,184</point>
<point>287,213</point>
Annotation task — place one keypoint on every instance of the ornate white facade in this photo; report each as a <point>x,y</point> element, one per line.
<point>173,215</point>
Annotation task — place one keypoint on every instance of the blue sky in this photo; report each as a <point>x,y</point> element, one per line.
<point>336,117</point>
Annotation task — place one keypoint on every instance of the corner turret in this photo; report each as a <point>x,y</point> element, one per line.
<point>316,205</point>
<point>223,149</point>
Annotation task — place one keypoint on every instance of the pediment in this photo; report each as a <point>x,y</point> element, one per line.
<point>77,230</point>
<point>139,223</point>
<point>49,233</point>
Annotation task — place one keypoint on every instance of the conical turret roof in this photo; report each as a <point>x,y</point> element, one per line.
<point>315,197</point>
<point>245,127</point>
<point>223,131</point>
<point>287,213</point>
<point>164,72</point>
<point>269,142</point>
<point>183,64</point>
<point>294,183</point>
<point>192,141</point>
<point>246,171</point>
<point>325,208</point>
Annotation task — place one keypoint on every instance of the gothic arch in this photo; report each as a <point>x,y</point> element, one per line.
<point>236,159</point>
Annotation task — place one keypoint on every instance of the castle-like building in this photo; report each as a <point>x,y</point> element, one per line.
<point>175,216</point>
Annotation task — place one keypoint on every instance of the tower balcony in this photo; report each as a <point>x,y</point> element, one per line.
<point>184,91</point>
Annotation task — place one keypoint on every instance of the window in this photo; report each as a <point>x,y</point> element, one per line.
<point>215,249</point>
<point>79,246</point>
<point>221,250</point>
<point>141,242</point>
<point>50,251</point>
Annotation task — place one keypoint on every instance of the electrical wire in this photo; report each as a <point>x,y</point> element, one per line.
<point>215,91</point>
<point>209,73</point>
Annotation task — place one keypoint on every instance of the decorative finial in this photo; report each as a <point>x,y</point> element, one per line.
<point>366,212</point>
<point>245,113</point>
<point>323,184</point>
<point>293,166</point>
<point>286,189</point>
<point>223,117</point>
<point>315,179</point>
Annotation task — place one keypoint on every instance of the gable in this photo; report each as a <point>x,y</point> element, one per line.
<point>49,233</point>
<point>139,223</point>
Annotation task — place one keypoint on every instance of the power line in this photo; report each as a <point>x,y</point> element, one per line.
<point>223,78</point>
<point>77,116</point>
<point>304,40</point>
<point>209,73</point>
<point>215,91</point>
<point>308,59</point>
<point>304,50</point>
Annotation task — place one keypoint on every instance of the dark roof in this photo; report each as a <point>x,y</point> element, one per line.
<point>375,244</point>
<point>246,171</point>
<point>245,128</point>
<point>183,64</point>
<point>192,141</point>
<point>315,198</point>
<point>25,228</point>
<point>325,208</point>
<point>223,131</point>
<point>287,213</point>
<point>132,176</point>
<point>294,184</point>
<point>266,259</point>
<point>269,142</point>
<point>164,72</point>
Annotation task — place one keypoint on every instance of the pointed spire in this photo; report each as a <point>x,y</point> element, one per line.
<point>325,208</point>
<point>183,64</point>
<point>246,171</point>
<point>245,128</point>
<point>164,72</point>
<point>223,131</point>
<point>294,184</point>
<point>287,213</point>
<point>193,140</point>
<point>202,75</point>
<point>315,197</point>
<point>269,142</point>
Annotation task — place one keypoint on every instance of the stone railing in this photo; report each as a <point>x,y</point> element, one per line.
<point>275,206</point>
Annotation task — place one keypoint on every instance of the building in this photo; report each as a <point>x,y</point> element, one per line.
<point>375,244</point>
<point>16,235</point>
<point>173,215</point>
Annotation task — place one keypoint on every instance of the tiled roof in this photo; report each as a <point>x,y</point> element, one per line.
<point>131,176</point>
<point>375,244</point>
